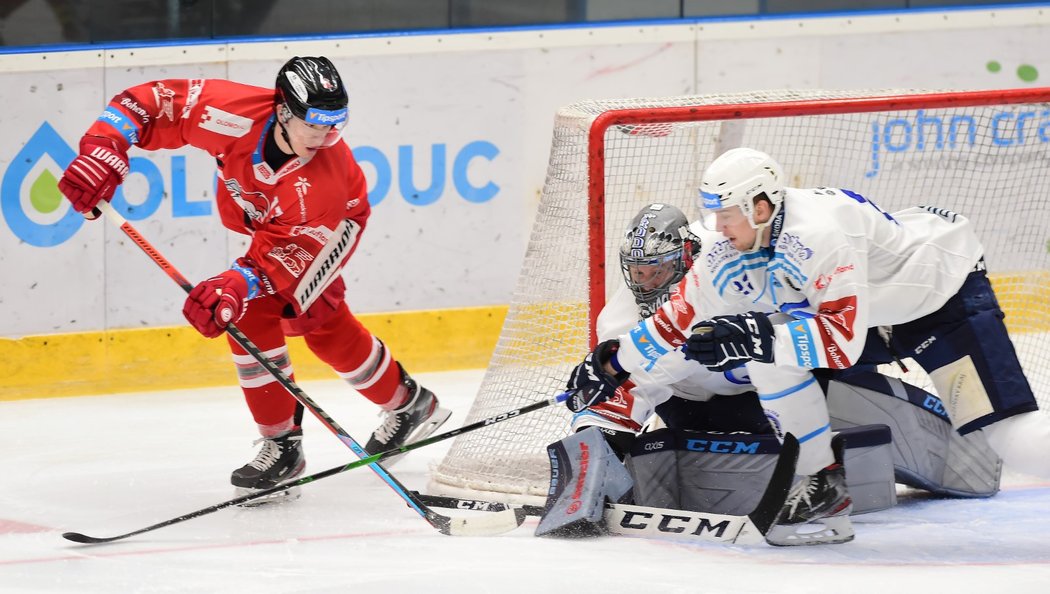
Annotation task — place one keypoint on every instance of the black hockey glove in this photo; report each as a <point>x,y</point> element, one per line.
<point>726,342</point>
<point>590,382</point>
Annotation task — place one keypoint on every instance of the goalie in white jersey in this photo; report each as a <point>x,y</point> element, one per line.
<point>833,265</point>
<point>657,251</point>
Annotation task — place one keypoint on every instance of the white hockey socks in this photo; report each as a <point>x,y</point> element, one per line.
<point>794,403</point>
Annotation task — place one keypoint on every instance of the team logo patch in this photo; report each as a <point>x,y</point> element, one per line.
<point>165,99</point>
<point>836,318</point>
<point>292,257</point>
<point>255,204</point>
<point>683,310</point>
<point>839,315</point>
<point>194,94</point>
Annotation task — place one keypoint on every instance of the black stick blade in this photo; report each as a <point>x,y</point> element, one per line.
<point>85,539</point>
<point>765,514</point>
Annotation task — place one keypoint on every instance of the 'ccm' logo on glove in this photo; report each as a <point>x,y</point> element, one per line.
<point>726,342</point>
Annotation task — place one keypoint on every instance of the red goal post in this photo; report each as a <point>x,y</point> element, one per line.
<point>984,154</point>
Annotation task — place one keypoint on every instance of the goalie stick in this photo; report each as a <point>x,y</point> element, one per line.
<point>508,519</point>
<point>443,524</point>
<point>635,520</point>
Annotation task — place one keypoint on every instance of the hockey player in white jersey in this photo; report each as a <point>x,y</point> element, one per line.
<point>833,265</point>
<point>657,250</point>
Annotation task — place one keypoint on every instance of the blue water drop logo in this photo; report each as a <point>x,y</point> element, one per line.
<point>44,142</point>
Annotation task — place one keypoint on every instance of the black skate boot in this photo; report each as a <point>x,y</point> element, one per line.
<point>817,508</point>
<point>279,460</point>
<point>415,420</point>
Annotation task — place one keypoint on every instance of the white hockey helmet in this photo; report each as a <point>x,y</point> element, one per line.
<point>736,177</point>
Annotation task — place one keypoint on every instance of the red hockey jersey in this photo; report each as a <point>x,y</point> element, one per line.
<point>305,219</point>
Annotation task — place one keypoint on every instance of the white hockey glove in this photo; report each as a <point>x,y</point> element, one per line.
<point>726,342</point>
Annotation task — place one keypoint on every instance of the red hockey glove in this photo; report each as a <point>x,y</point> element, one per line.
<point>221,300</point>
<point>95,174</point>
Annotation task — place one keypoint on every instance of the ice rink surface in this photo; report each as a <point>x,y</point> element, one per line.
<point>106,465</point>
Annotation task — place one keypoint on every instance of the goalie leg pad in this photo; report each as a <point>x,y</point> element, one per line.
<point>726,473</point>
<point>927,453</point>
<point>585,472</point>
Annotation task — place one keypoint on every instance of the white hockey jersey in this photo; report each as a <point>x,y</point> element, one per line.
<point>838,265</point>
<point>695,382</point>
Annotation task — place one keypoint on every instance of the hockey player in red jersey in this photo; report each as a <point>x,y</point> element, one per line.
<point>287,180</point>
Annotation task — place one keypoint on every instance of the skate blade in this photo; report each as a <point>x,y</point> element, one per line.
<point>831,530</point>
<point>425,430</point>
<point>273,498</point>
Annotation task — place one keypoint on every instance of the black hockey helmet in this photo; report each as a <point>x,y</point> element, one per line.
<point>658,236</point>
<point>313,91</point>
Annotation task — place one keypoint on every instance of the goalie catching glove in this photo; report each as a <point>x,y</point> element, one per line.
<point>221,300</point>
<point>727,342</point>
<point>590,383</point>
<point>95,173</point>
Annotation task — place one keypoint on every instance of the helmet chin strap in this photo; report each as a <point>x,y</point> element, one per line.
<point>283,116</point>
<point>284,135</point>
<point>759,232</point>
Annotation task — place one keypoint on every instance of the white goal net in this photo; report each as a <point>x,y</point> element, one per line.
<point>983,154</point>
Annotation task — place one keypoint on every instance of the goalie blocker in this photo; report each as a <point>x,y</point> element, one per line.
<point>892,432</point>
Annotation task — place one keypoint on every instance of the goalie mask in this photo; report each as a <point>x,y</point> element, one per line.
<point>656,252</point>
<point>312,90</point>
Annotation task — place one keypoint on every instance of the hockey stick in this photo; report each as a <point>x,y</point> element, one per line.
<point>634,520</point>
<point>507,520</point>
<point>442,523</point>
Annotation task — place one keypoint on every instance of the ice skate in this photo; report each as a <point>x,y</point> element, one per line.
<point>817,509</point>
<point>279,460</point>
<point>415,420</point>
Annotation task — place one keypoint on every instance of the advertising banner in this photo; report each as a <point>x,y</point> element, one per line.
<point>453,132</point>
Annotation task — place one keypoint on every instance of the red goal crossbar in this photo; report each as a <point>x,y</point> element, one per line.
<point>696,113</point>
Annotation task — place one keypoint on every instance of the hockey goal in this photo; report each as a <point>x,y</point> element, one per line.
<point>984,154</point>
